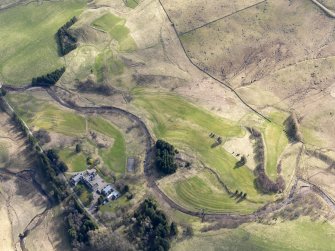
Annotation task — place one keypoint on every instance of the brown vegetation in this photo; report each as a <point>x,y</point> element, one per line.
<point>292,128</point>
<point>90,86</point>
<point>262,181</point>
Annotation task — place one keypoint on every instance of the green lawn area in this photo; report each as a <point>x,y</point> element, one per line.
<point>298,235</point>
<point>203,191</point>
<point>115,26</point>
<point>75,161</point>
<point>54,119</point>
<point>187,127</point>
<point>114,205</point>
<point>115,156</point>
<point>27,46</point>
<point>42,114</point>
<point>275,141</point>
<point>131,3</point>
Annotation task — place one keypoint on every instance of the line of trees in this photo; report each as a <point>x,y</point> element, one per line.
<point>60,166</point>
<point>48,79</point>
<point>42,136</point>
<point>65,40</point>
<point>262,181</point>
<point>151,228</point>
<point>57,185</point>
<point>49,167</point>
<point>292,128</point>
<point>79,225</point>
<point>165,157</point>
<point>78,222</point>
<point>107,240</point>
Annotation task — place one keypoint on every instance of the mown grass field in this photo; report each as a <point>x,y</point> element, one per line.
<point>115,26</point>
<point>275,141</point>
<point>188,127</point>
<point>28,47</point>
<point>75,161</point>
<point>115,156</point>
<point>204,190</point>
<point>298,235</point>
<point>43,114</point>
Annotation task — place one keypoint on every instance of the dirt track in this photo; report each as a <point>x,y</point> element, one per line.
<point>324,8</point>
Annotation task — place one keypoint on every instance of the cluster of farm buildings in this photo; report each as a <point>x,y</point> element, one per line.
<point>95,183</point>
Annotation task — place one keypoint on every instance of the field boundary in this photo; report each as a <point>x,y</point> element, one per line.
<point>208,74</point>
<point>223,17</point>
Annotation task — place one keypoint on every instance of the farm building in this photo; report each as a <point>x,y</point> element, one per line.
<point>107,190</point>
<point>95,183</point>
<point>113,195</point>
<point>76,178</point>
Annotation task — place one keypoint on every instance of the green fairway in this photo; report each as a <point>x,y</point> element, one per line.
<point>75,161</point>
<point>203,191</point>
<point>54,119</point>
<point>298,235</point>
<point>275,141</point>
<point>41,114</point>
<point>28,47</point>
<point>115,156</point>
<point>188,127</point>
<point>115,26</point>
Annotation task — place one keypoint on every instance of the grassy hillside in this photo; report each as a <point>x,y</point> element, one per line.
<point>42,114</point>
<point>75,161</point>
<point>203,191</point>
<point>28,47</point>
<point>115,26</point>
<point>107,66</point>
<point>38,113</point>
<point>188,127</point>
<point>115,156</point>
<point>275,141</point>
<point>299,235</point>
